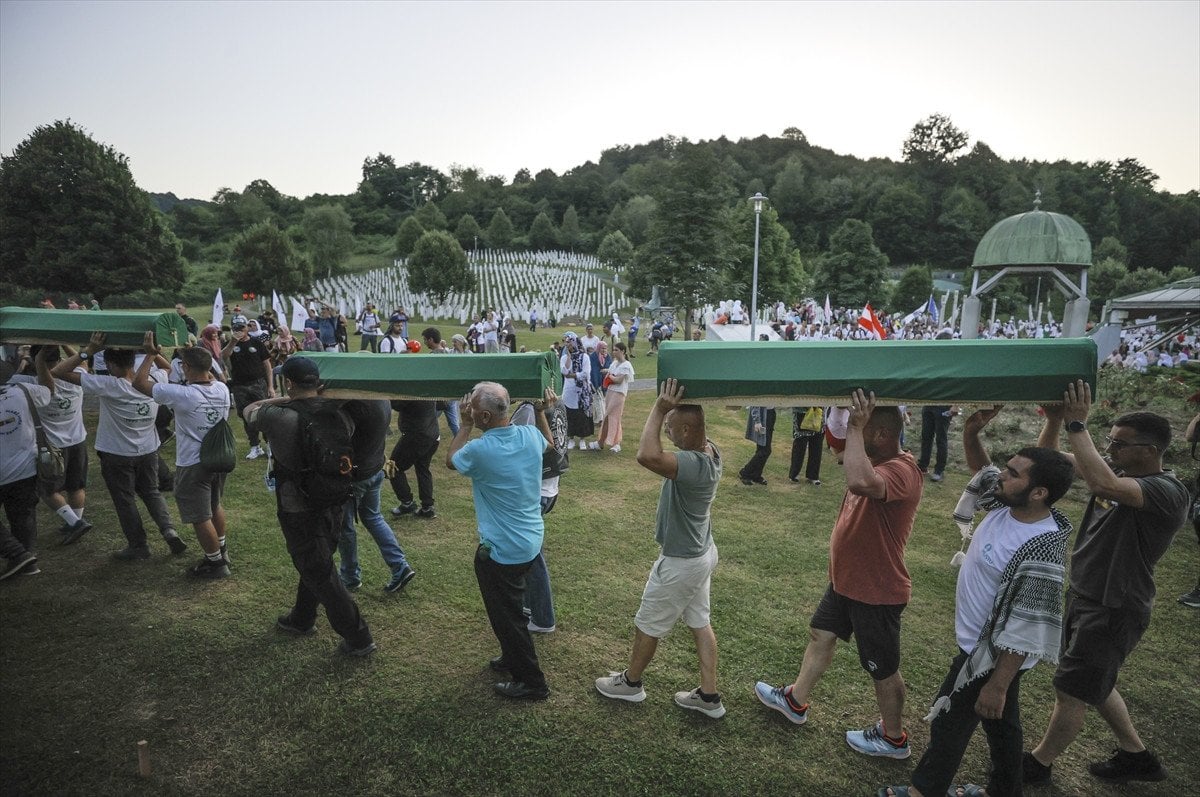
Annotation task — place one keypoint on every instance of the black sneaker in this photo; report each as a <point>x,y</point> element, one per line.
<point>426,512</point>
<point>207,568</point>
<point>284,623</point>
<point>76,531</point>
<point>130,553</point>
<point>17,564</point>
<point>1034,772</point>
<point>1124,767</point>
<point>401,579</point>
<point>176,544</point>
<point>405,509</point>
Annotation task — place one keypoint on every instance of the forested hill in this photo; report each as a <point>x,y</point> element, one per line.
<point>930,208</point>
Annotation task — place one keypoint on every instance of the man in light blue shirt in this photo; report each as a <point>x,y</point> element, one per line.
<point>505,468</point>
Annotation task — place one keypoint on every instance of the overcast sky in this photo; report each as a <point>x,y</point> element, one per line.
<point>211,94</point>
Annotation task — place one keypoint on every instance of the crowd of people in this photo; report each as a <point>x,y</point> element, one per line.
<point>328,465</point>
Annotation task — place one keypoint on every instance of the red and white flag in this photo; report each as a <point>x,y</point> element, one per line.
<point>870,322</point>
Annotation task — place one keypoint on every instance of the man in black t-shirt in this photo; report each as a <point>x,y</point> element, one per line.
<point>250,377</point>
<point>1135,509</point>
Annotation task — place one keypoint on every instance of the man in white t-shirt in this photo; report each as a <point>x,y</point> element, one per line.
<point>199,404</point>
<point>18,472</point>
<point>127,444</point>
<point>489,333</point>
<point>62,420</point>
<point>1008,610</point>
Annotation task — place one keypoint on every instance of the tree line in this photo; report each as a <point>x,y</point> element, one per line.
<point>669,212</point>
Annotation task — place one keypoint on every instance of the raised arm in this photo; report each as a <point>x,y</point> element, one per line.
<point>141,379</point>
<point>466,422</point>
<point>1100,478</point>
<point>861,478</point>
<point>543,425</point>
<point>973,448</point>
<point>651,455</point>
<point>65,370</point>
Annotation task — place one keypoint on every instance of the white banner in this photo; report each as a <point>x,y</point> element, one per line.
<point>218,309</point>
<point>299,316</point>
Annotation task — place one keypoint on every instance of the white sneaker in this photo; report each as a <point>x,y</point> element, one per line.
<point>255,452</point>
<point>570,444</point>
<point>693,702</point>
<point>541,629</point>
<point>616,687</point>
<point>593,446</point>
<point>616,449</point>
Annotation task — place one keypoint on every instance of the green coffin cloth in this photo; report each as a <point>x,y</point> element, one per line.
<point>789,373</point>
<point>123,328</point>
<point>434,376</point>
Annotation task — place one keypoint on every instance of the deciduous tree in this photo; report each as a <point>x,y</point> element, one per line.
<point>616,250</point>
<point>542,234</point>
<point>468,232</point>
<point>72,218</point>
<point>407,235</point>
<point>500,230</point>
<point>438,267</point>
<point>852,270</point>
<point>329,237</point>
<point>265,259</point>
<point>913,289</point>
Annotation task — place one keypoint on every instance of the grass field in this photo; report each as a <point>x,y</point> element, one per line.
<point>97,655</point>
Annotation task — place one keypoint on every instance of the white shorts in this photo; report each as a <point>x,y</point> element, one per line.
<point>676,588</point>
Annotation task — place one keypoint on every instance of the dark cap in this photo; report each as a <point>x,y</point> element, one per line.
<point>236,325</point>
<point>396,318</point>
<point>302,370</point>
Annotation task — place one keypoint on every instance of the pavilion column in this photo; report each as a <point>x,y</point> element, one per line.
<point>970,318</point>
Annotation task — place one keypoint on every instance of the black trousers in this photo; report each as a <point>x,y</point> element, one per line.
<point>416,453</point>
<point>503,590</point>
<point>311,540</point>
<point>20,502</point>
<point>950,732</point>
<point>813,445</point>
<point>934,423</point>
<point>243,396</point>
<point>754,468</point>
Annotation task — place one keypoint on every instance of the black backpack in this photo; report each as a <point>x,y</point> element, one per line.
<point>327,470</point>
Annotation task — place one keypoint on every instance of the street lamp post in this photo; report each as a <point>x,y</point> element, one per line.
<point>758,200</point>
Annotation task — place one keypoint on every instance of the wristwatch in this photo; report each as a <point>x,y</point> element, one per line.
<point>83,355</point>
<point>1076,426</point>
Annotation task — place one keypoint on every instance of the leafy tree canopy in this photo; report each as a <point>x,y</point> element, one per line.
<point>853,270</point>
<point>500,230</point>
<point>934,139</point>
<point>542,234</point>
<point>329,236</point>
<point>616,250</point>
<point>468,232</point>
<point>265,259</point>
<point>71,217</point>
<point>913,289</point>
<point>409,232</point>
<point>438,267</point>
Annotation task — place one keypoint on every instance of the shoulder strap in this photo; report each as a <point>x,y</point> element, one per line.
<point>37,419</point>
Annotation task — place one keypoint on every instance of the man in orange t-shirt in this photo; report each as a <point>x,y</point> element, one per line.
<point>869,584</point>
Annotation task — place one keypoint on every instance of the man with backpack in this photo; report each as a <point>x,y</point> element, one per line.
<point>311,440</point>
<point>200,404</point>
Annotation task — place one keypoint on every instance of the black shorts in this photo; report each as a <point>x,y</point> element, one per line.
<point>876,630</point>
<point>75,471</point>
<point>1095,641</point>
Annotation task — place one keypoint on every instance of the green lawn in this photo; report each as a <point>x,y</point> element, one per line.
<point>97,655</point>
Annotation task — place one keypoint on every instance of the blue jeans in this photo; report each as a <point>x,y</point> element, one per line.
<point>366,506</point>
<point>451,413</point>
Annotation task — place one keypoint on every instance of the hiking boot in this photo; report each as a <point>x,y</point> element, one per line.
<point>284,623</point>
<point>16,565</point>
<point>1034,772</point>
<point>779,699</point>
<point>130,553</point>
<point>1125,766</point>
<point>1191,598</point>
<point>404,509</point>
<point>359,653</point>
<point>176,544</point>
<point>872,742</point>
<point>400,579</point>
<point>692,701</point>
<point>616,686</point>
<point>74,532</point>
<point>207,568</point>
<point>426,512</point>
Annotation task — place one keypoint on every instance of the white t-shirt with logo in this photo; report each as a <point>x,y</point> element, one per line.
<point>18,435</point>
<point>998,536</point>
<point>62,418</point>
<point>126,426</point>
<point>197,409</point>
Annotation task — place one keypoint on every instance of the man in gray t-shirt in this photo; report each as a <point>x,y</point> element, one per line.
<point>679,582</point>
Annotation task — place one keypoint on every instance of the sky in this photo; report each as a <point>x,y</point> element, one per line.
<point>205,95</point>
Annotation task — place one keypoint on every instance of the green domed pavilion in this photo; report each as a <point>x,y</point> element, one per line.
<point>1037,242</point>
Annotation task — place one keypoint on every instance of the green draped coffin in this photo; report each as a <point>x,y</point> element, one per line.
<point>434,376</point>
<point>898,371</point>
<point>123,328</point>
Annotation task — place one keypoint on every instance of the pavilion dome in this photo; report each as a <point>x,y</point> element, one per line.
<point>1036,238</point>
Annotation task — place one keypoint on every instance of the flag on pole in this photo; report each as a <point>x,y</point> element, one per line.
<point>931,308</point>
<point>870,322</point>
<point>277,306</point>
<point>828,312</point>
<point>299,316</point>
<point>218,310</point>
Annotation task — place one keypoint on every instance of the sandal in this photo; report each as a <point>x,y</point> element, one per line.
<point>965,790</point>
<point>896,791</point>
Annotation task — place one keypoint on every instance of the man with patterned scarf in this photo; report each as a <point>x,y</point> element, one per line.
<point>1008,612</point>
